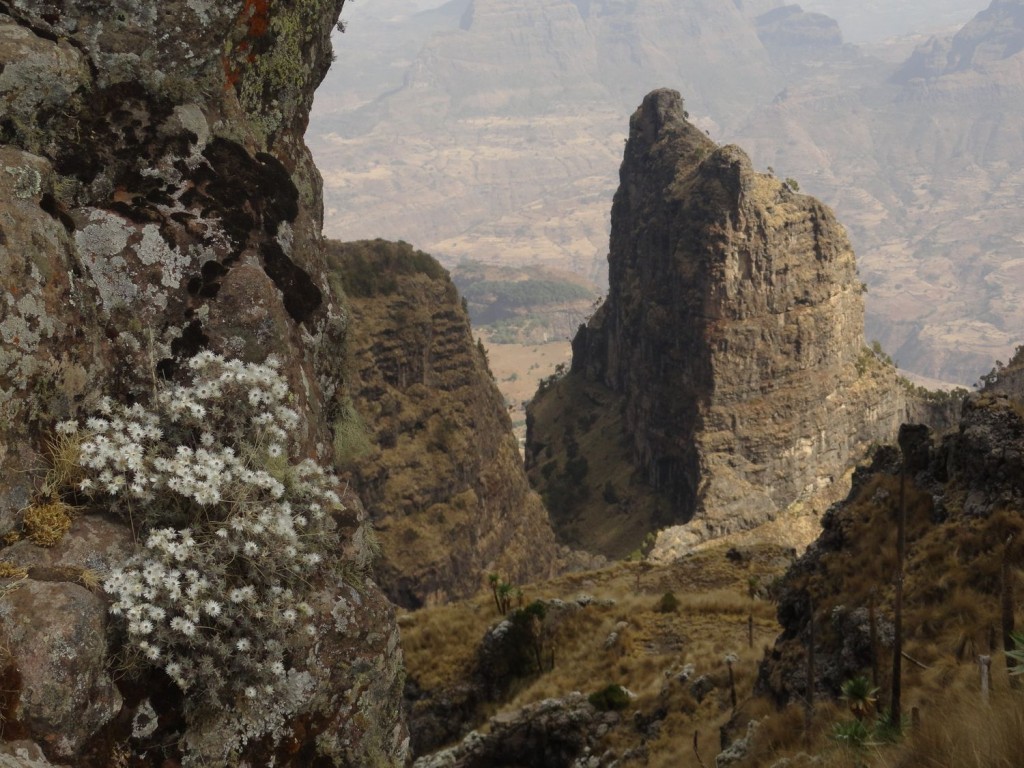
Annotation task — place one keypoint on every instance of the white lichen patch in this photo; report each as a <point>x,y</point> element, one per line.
<point>201,8</point>
<point>115,253</point>
<point>342,612</point>
<point>145,722</point>
<point>28,181</point>
<point>154,250</point>
<point>29,322</point>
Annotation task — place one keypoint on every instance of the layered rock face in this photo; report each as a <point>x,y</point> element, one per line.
<point>439,467</point>
<point>156,198</point>
<point>731,339</point>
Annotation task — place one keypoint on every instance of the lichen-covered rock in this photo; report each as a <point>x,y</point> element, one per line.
<point>23,754</point>
<point>438,467</point>
<point>156,199</point>
<point>729,352</point>
<point>62,692</point>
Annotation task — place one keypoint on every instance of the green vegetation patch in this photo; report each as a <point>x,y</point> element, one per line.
<point>369,268</point>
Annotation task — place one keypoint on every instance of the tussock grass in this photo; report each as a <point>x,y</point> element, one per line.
<point>440,643</point>
<point>46,524</point>
<point>651,650</point>
<point>964,733</point>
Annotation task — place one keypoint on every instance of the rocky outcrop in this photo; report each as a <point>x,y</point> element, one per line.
<point>156,198</point>
<point>427,435</point>
<point>729,351</point>
<point>964,507</point>
<point>548,734</point>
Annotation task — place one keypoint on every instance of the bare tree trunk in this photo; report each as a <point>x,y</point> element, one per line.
<point>1006,601</point>
<point>697,751</point>
<point>873,632</point>
<point>895,714</point>
<point>809,713</point>
<point>985,665</point>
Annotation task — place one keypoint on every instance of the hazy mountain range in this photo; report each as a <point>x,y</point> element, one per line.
<point>493,131</point>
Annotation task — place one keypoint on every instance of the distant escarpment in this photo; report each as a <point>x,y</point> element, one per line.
<point>160,221</point>
<point>725,377</point>
<point>427,436</point>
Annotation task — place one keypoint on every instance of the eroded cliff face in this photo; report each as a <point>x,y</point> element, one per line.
<point>729,350</point>
<point>156,198</point>
<point>439,466</point>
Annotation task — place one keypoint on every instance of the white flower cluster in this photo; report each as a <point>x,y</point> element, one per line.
<point>236,531</point>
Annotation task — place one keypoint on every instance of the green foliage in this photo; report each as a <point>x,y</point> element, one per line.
<point>862,732</point>
<point>520,650</point>
<point>351,436</point>
<point>612,697</point>
<point>667,603</point>
<point>859,695</point>
<point>549,381</point>
<point>1015,658</point>
<point>503,592</point>
<point>371,267</point>
<point>854,733</point>
<point>792,184</point>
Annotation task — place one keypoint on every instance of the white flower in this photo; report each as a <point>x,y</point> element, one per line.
<point>212,607</point>
<point>69,427</point>
<point>243,644</point>
<point>183,625</point>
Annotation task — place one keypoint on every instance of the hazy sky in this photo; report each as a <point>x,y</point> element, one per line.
<point>862,21</point>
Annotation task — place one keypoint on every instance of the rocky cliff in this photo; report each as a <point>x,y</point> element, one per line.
<point>439,467</point>
<point>157,199</point>
<point>963,499</point>
<point>725,377</point>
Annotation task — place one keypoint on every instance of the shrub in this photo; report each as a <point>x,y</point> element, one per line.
<point>611,697</point>
<point>234,531</point>
<point>668,603</point>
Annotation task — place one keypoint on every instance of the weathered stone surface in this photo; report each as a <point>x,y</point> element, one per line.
<point>58,656</point>
<point>23,754</point>
<point>549,734</point>
<point>156,198</point>
<point>440,469</point>
<point>730,342</point>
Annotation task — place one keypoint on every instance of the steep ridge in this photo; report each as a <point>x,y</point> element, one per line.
<point>726,369</point>
<point>156,200</point>
<point>439,469</point>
